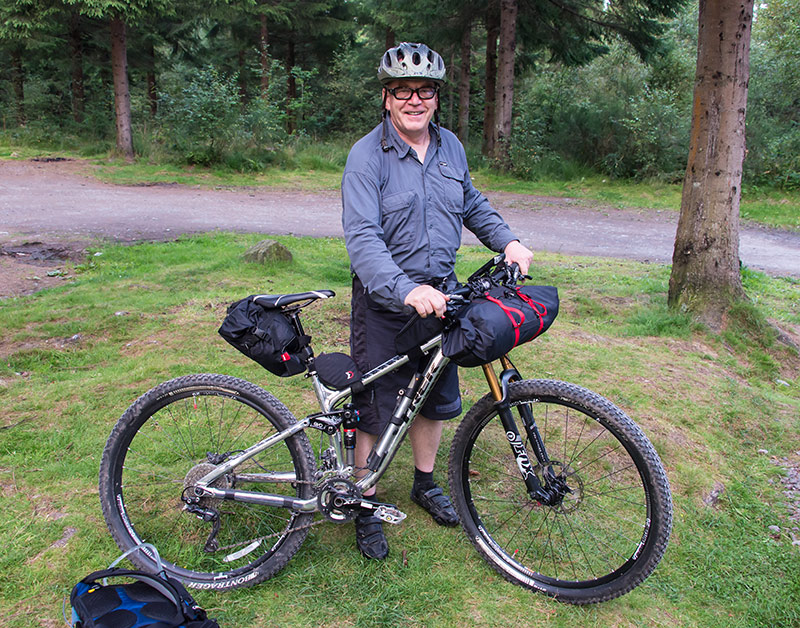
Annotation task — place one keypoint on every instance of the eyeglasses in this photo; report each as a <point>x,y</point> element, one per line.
<point>405,93</point>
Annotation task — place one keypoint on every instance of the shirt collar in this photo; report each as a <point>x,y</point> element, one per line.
<point>394,140</point>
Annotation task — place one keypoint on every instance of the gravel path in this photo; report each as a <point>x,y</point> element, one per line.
<point>59,201</point>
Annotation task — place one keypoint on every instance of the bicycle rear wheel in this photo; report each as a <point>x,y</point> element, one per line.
<point>175,434</point>
<point>610,528</point>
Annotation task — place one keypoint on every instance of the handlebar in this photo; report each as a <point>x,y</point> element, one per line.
<point>495,272</point>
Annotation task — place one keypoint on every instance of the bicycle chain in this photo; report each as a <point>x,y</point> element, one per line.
<point>275,534</point>
<point>269,536</point>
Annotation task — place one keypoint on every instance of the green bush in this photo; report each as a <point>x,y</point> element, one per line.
<point>612,116</point>
<point>201,120</point>
<point>265,122</point>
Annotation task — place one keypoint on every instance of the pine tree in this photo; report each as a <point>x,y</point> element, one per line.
<point>117,15</point>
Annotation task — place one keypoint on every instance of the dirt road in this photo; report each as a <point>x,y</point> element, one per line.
<point>59,202</point>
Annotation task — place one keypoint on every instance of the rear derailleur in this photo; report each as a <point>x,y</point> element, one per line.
<point>207,514</point>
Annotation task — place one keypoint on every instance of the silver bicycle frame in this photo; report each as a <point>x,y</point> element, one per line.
<point>386,446</point>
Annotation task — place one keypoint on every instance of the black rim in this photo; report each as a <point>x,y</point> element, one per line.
<point>545,521</point>
<point>201,397</point>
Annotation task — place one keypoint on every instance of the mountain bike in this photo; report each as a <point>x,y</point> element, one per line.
<point>557,489</point>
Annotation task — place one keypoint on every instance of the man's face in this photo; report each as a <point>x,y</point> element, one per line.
<point>411,117</point>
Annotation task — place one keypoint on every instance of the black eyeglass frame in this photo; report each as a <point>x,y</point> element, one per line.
<point>393,92</point>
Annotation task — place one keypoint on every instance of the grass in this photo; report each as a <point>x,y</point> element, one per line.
<point>74,357</point>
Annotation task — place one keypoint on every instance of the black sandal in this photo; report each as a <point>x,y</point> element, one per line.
<point>438,506</point>
<point>370,538</point>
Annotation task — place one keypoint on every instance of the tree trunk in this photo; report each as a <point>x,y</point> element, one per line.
<point>463,85</point>
<point>18,80</point>
<point>390,38</point>
<point>492,33</point>
<point>504,93</point>
<point>152,89</point>
<point>122,95</point>
<point>291,89</point>
<point>76,61</point>
<point>263,52</point>
<point>705,275</point>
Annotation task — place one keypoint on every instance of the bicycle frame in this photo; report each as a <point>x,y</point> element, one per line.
<point>408,406</point>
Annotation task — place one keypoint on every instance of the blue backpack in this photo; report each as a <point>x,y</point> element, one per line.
<point>149,601</point>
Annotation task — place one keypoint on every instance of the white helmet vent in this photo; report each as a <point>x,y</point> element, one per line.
<point>409,60</point>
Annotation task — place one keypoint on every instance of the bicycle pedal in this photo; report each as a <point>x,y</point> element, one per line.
<point>389,514</point>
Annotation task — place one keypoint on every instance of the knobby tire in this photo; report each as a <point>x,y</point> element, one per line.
<point>612,527</point>
<point>177,432</point>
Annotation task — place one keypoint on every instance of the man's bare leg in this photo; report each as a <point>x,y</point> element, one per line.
<point>364,444</point>
<point>426,435</point>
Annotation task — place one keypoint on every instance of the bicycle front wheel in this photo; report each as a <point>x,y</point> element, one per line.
<point>174,435</point>
<point>610,525</point>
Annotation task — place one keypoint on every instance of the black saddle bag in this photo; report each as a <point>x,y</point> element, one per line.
<point>267,336</point>
<point>493,324</point>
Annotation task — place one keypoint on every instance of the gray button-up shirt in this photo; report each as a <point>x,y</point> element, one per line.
<point>402,219</point>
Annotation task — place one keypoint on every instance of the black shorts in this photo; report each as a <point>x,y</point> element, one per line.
<point>372,334</point>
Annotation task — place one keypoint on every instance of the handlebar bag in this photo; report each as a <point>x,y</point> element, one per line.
<point>148,601</point>
<point>266,336</point>
<point>494,323</point>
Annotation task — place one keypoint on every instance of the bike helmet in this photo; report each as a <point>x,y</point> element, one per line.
<point>415,61</point>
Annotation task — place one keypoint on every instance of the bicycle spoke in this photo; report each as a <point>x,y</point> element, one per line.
<point>163,448</point>
<point>593,525</point>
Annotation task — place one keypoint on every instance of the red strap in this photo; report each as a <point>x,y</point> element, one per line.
<point>541,310</point>
<point>510,313</point>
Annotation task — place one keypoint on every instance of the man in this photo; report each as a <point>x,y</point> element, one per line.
<point>406,192</point>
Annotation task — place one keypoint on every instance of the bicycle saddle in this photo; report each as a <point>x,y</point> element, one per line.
<point>271,301</point>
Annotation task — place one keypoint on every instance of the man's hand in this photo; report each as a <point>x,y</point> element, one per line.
<point>427,300</point>
<point>515,252</point>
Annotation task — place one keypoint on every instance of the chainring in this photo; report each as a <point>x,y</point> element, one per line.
<point>338,500</point>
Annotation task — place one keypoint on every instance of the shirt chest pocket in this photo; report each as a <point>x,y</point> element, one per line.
<point>399,217</point>
<point>452,184</point>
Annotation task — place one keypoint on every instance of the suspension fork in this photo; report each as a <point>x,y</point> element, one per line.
<point>511,374</point>
<point>499,393</point>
